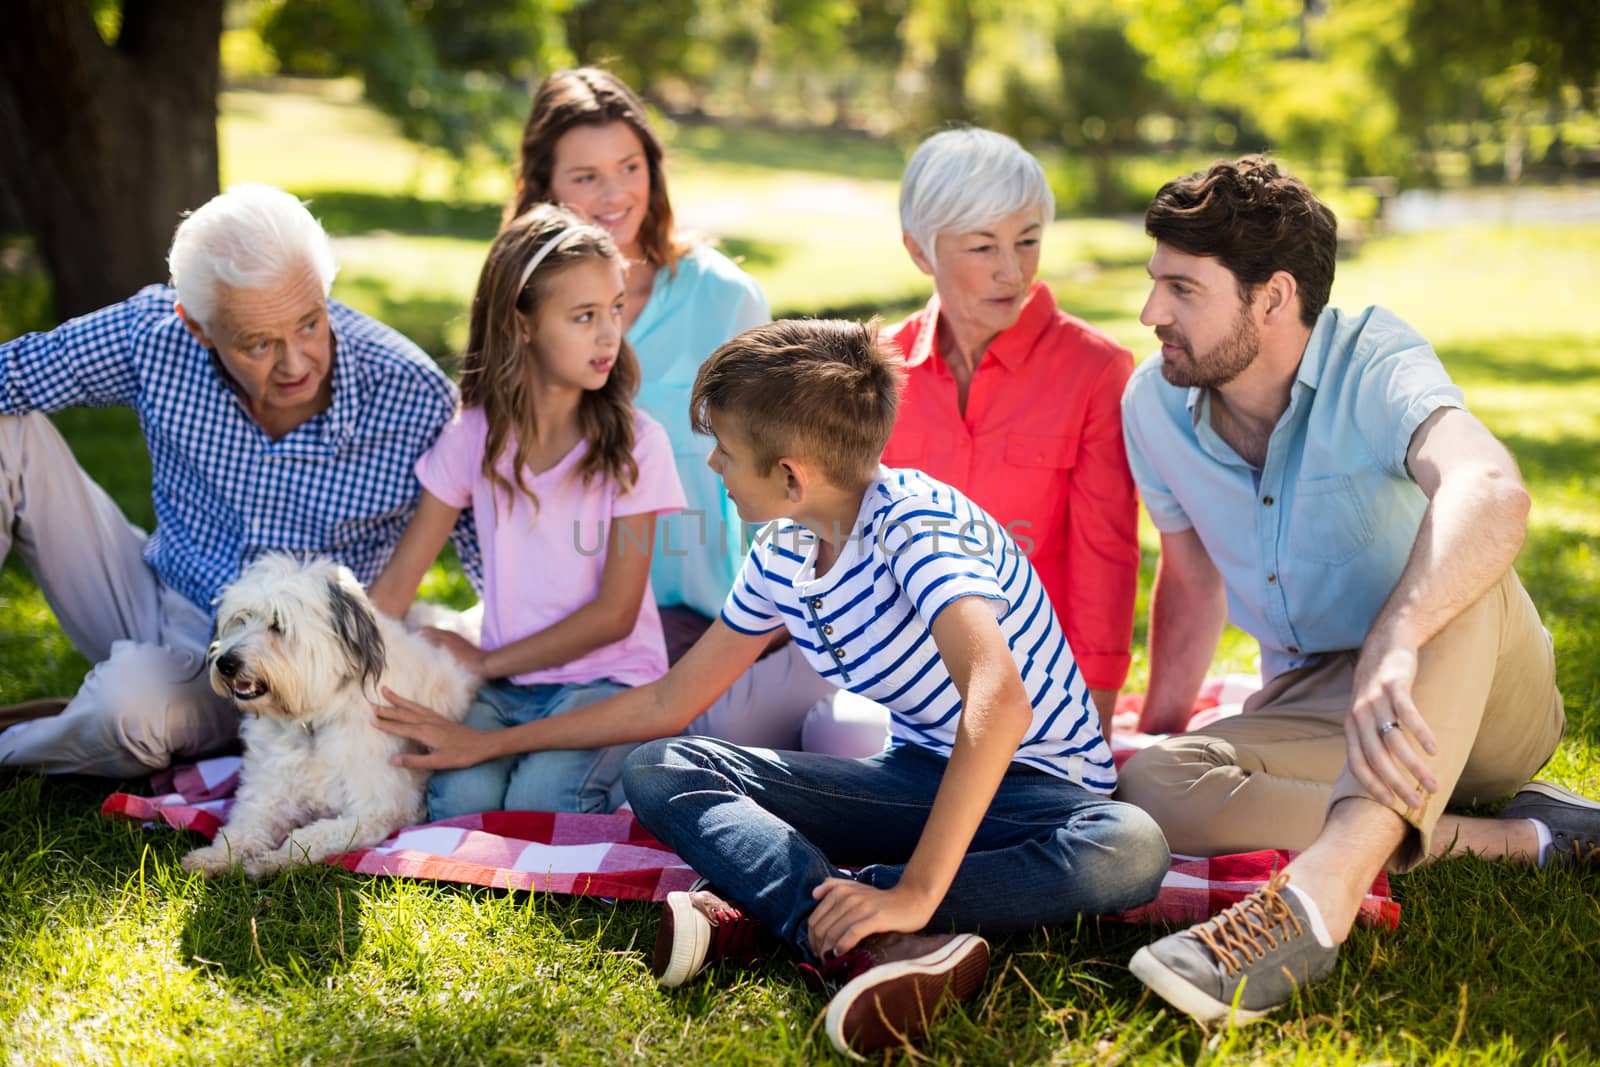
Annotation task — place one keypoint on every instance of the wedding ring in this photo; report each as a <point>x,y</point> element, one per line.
<point>1386,727</point>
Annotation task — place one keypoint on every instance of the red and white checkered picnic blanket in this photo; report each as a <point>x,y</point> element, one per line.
<point>613,856</point>
<point>581,855</point>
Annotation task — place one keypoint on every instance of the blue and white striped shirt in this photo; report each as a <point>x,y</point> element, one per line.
<point>919,545</point>
<point>340,484</point>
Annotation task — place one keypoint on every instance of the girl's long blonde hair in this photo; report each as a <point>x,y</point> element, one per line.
<point>496,370</point>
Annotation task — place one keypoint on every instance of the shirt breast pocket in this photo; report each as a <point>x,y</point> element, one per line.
<point>1041,451</point>
<point>1330,525</point>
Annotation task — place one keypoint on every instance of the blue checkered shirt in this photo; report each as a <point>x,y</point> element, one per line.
<point>340,484</point>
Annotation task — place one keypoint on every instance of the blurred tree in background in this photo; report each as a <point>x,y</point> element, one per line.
<point>1423,90</point>
<point>1115,95</point>
<point>448,70</point>
<point>1502,67</point>
<point>108,129</point>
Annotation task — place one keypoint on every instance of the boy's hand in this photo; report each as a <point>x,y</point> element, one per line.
<point>851,911</point>
<point>450,745</point>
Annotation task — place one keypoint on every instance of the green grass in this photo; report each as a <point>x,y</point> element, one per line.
<point>109,953</point>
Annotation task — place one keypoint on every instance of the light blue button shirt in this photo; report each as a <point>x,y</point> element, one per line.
<point>1311,544</point>
<point>690,313</point>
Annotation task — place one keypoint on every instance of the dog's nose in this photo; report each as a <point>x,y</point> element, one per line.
<point>228,664</point>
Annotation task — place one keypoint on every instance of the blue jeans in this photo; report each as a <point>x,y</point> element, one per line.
<point>768,827</point>
<point>557,780</point>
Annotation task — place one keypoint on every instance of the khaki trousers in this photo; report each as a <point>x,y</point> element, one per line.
<point>147,700</point>
<point>1266,778</point>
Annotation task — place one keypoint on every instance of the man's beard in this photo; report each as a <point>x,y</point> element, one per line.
<point>1219,366</point>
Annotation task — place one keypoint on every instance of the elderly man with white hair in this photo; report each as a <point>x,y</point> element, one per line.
<point>276,419</point>
<point>1014,403</point>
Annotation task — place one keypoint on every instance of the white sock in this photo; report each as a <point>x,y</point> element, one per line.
<point>1319,929</point>
<point>1545,840</point>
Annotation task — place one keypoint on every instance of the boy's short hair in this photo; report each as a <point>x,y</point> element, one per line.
<point>1255,220</point>
<point>824,390</point>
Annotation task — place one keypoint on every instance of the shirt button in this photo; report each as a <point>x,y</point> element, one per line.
<point>817,603</point>
<point>838,653</point>
<point>1295,649</point>
<point>1267,500</point>
<point>1272,579</point>
<point>828,631</point>
<point>255,525</point>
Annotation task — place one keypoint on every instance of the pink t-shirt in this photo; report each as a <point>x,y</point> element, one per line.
<point>542,564</point>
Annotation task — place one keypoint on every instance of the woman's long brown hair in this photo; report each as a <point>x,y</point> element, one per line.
<point>496,373</point>
<point>588,96</point>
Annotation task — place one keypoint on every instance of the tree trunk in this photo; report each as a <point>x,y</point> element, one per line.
<point>103,146</point>
<point>947,74</point>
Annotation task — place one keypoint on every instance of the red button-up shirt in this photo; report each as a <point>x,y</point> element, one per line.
<point>1039,448</point>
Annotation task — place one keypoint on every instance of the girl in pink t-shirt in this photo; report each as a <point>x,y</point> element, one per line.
<point>565,479</point>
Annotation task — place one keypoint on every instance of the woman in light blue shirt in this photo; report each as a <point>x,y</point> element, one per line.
<point>588,145</point>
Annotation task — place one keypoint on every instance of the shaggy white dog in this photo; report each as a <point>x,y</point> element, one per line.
<point>302,652</point>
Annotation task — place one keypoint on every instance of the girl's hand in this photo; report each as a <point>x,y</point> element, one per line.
<point>450,745</point>
<point>466,653</point>
<point>851,911</point>
<point>386,603</point>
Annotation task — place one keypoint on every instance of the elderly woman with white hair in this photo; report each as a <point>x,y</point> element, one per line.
<point>1012,401</point>
<point>276,419</point>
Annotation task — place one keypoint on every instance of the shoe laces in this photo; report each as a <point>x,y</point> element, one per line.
<point>1248,930</point>
<point>1584,847</point>
<point>835,971</point>
<point>734,935</point>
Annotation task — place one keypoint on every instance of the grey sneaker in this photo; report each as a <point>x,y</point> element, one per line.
<point>699,928</point>
<point>1263,944</point>
<point>1573,819</point>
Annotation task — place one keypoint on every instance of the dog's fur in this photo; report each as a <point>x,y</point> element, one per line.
<point>302,652</point>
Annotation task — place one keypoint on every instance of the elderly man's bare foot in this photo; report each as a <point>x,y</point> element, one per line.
<point>11,714</point>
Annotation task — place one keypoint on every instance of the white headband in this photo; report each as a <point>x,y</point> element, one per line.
<point>544,250</point>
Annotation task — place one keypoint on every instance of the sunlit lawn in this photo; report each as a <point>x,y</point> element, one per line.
<point>109,953</point>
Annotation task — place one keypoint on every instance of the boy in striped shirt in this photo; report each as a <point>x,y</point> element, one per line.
<point>990,806</point>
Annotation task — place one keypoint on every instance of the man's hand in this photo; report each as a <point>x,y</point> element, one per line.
<point>1384,727</point>
<point>850,911</point>
<point>1474,524</point>
<point>450,745</point>
<point>466,653</point>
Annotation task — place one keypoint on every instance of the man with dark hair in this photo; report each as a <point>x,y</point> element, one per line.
<point>1316,477</point>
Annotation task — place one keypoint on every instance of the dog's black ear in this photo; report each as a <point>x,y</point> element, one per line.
<point>357,630</point>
